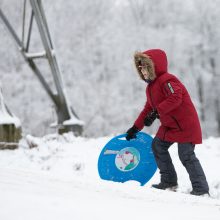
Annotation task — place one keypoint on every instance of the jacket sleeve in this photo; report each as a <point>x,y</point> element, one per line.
<point>139,123</point>
<point>173,92</point>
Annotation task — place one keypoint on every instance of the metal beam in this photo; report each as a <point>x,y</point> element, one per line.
<point>67,118</point>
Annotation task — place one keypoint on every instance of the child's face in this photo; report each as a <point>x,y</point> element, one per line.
<point>145,73</point>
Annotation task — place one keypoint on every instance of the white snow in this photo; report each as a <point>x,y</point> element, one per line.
<point>73,121</point>
<point>5,116</point>
<point>58,179</point>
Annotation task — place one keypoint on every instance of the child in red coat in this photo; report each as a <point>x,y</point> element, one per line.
<point>169,101</point>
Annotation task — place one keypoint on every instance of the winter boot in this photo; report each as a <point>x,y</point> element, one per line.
<point>197,193</point>
<point>163,186</point>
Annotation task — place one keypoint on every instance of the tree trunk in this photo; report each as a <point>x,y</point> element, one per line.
<point>201,98</point>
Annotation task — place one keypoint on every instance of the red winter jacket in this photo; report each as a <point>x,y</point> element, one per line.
<point>166,94</point>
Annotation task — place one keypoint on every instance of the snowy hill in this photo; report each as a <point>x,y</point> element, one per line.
<point>58,179</point>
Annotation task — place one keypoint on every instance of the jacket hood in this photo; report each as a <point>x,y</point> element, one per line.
<point>155,60</point>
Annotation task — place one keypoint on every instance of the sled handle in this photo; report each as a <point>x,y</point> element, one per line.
<point>122,137</point>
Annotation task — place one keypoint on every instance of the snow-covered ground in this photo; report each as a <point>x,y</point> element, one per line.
<point>58,179</point>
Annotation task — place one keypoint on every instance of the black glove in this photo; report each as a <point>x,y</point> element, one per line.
<point>131,133</point>
<point>151,117</point>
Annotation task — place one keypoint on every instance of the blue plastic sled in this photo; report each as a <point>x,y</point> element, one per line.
<point>122,160</point>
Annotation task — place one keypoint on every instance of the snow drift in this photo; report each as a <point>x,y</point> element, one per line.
<point>58,179</point>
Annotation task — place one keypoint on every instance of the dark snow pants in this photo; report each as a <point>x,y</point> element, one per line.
<point>188,159</point>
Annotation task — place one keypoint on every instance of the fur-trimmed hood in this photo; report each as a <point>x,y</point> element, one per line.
<point>155,61</point>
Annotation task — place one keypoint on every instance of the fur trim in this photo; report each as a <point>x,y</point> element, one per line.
<point>141,59</point>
